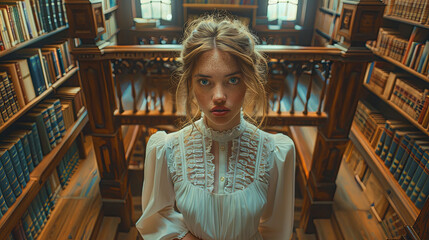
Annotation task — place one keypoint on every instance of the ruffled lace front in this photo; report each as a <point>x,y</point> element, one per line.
<point>191,156</point>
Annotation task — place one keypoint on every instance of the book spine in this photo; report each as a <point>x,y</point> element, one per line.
<point>16,162</point>
<point>60,117</point>
<point>48,125</point>
<point>7,104</point>
<point>392,150</point>
<point>3,106</point>
<point>416,176</point>
<point>423,195</point>
<point>403,161</point>
<point>36,221</point>
<point>399,154</point>
<point>37,144</point>
<point>36,72</point>
<point>22,158</point>
<point>6,189</point>
<point>387,143</point>
<point>28,225</point>
<point>28,153</point>
<point>410,167</point>
<point>54,122</point>
<point>420,184</point>
<point>10,173</point>
<point>44,197</point>
<point>11,94</point>
<point>3,205</point>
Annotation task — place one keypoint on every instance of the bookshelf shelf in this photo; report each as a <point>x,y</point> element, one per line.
<point>399,64</point>
<point>395,194</point>
<point>403,20</point>
<point>204,6</point>
<point>32,41</point>
<point>39,98</point>
<point>38,177</point>
<point>399,110</point>
<point>110,10</point>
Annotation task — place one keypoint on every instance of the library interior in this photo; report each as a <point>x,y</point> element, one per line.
<point>85,83</point>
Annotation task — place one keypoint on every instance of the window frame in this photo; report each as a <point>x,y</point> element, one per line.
<point>176,9</point>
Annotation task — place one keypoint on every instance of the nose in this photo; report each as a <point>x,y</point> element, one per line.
<point>219,95</point>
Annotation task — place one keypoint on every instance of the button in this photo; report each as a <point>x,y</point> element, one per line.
<point>222,148</point>
<point>222,179</point>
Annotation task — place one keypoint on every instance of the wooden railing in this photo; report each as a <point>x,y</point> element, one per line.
<point>307,86</point>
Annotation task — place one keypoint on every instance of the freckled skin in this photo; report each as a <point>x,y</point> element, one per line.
<point>217,83</point>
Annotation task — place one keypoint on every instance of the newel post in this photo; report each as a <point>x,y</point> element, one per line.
<point>86,21</point>
<point>359,22</point>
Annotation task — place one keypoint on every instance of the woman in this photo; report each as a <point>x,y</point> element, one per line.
<point>228,179</point>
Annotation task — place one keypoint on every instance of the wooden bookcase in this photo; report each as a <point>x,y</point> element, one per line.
<point>414,219</point>
<point>38,177</point>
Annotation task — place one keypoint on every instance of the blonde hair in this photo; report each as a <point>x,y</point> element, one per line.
<point>231,36</point>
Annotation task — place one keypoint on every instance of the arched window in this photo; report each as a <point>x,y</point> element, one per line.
<point>156,9</point>
<point>282,10</point>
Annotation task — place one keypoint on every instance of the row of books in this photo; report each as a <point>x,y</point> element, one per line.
<point>412,52</point>
<point>22,150</point>
<point>415,10</point>
<point>28,76</point>
<point>241,2</point>
<point>374,192</point>
<point>21,21</point>
<point>35,217</point>
<point>399,89</point>
<point>404,151</point>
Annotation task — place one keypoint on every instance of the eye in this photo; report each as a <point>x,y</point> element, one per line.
<point>234,80</point>
<point>204,82</point>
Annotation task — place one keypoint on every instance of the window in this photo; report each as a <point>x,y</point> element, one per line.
<point>156,9</point>
<point>282,10</point>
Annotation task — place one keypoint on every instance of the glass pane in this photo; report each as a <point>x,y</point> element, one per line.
<point>291,12</point>
<point>272,2</point>
<point>156,6</point>
<point>146,11</point>
<point>282,7</point>
<point>294,2</point>
<point>144,1</point>
<point>166,12</point>
<point>166,2</point>
<point>272,12</point>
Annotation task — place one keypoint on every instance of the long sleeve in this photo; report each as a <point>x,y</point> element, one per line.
<point>159,219</point>
<point>277,218</point>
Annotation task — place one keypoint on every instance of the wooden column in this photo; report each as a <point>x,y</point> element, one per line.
<point>86,20</point>
<point>359,22</point>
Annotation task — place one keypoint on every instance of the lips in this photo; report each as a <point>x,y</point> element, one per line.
<point>219,110</point>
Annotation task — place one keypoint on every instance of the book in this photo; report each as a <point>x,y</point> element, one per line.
<point>12,74</point>
<point>8,167</point>
<point>23,135</point>
<point>34,140</point>
<point>53,118</point>
<point>5,186</point>
<point>59,114</point>
<point>24,77</point>
<point>16,141</point>
<point>417,175</point>
<point>45,134</point>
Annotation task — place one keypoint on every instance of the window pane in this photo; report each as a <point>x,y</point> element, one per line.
<point>166,12</point>
<point>291,12</point>
<point>156,13</point>
<point>146,11</point>
<point>272,12</point>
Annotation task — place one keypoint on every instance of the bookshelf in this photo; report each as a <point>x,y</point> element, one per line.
<point>38,178</point>
<point>394,192</point>
<point>39,35</point>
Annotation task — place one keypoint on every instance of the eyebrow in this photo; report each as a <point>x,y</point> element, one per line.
<point>207,76</point>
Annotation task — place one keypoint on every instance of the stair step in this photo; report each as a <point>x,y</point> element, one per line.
<point>133,234</point>
<point>109,228</point>
<point>301,235</point>
<point>325,229</point>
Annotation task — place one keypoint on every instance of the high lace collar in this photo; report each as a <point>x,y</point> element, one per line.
<point>222,136</point>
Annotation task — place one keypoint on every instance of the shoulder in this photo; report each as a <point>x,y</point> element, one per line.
<point>281,145</point>
<point>157,139</point>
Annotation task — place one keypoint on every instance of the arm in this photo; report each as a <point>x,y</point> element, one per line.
<point>277,219</point>
<point>159,219</point>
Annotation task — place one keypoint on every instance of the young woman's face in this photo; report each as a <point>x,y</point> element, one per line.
<point>219,88</point>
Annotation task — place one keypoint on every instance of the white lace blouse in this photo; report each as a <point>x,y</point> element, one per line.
<point>247,192</point>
